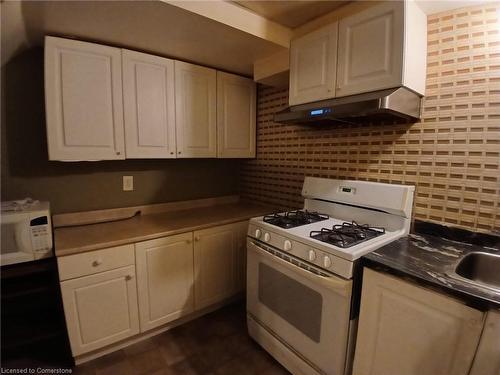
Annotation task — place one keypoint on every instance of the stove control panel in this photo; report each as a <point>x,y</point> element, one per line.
<point>300,250</point>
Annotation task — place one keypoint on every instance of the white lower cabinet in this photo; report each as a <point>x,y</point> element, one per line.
<point>487,359</point>
<point>105,302</point>
<point>405,329</point>
<point>100,309</point>
<point>164,279</point>
<point>216,264</point>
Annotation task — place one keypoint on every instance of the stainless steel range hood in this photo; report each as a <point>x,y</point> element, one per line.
<point>392,105</point>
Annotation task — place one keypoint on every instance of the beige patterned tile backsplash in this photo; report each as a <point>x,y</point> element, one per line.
<point>452,156</point>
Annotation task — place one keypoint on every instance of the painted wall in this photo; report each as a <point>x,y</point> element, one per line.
<point>26,171</point>
<point>452,155</point>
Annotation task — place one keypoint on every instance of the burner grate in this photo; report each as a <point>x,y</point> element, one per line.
<point>347,234</point>
<point>292,219</point>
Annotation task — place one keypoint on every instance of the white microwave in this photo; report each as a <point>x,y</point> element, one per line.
<point>26,232</point>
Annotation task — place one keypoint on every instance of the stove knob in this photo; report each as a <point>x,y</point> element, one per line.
<point>258,233</point>
<point>287,245</point>
<point>267,237</point>
<point>311,255</point>
<point>327,262</point>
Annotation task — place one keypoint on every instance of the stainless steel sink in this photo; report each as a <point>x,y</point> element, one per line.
<point>480,268</point>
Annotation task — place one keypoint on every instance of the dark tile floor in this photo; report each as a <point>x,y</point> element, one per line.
<point>216,344</point>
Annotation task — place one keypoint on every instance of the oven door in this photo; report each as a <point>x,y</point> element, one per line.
<point>306,311</point>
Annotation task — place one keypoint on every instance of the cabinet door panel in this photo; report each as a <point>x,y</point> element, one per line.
<point>214,261</point>
<point>100,309</point>
<point>371,49</point>
<point>164,279</point>
<point>195,103</point>
<point>408,330</point>
<point>148,94</point>
<point>83,94</point>
<point>487,359</point>
<point>313,60</point>
<point>236,101</point>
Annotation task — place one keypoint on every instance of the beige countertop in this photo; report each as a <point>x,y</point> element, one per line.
<point>82,238</point>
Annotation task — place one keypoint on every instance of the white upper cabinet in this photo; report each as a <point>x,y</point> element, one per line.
<point>149,105</point>
<point>163,109</point>
<point>236,107</point>
<point>405,329</point>
<point>313,62</point>
<point>195,105</point>
<point>83,97</point>
<point>382,47</point>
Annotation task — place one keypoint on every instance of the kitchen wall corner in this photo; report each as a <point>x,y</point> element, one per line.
<point>452,155</point>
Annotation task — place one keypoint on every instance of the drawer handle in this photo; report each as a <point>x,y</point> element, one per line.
<point>128,277</point>
<point>97,262</point>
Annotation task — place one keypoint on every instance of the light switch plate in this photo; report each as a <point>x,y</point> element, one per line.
<point>128,183</point>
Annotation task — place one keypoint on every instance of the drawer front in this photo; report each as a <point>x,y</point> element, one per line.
<point>91,262</point>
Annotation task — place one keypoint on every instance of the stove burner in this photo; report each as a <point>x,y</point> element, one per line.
<point>347,234</point>
<point>292,219</point>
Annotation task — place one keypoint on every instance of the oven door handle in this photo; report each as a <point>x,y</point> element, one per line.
<point>342,286</point>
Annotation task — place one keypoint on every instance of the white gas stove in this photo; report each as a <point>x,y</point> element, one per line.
<point>301,266</point>
<point>341,221</point>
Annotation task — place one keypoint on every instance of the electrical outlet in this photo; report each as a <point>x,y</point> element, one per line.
<point>128,183</point>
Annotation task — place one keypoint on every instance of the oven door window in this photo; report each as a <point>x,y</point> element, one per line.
<point>293,301</point>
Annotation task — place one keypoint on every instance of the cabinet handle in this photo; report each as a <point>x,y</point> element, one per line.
<point>197,238</point>
<point>188,241</point>
<point>97,262</point>
<point>178,152</point>
<point>129,277</point>
<point>117,152</point>
<point>171,153</point>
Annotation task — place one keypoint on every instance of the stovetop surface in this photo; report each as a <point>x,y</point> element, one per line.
<point>292,219</point>
<point>347,234</point>
<point>354,251</point>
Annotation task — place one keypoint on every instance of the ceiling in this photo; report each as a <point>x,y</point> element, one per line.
<point>291,13</point>
<point>150,26</point>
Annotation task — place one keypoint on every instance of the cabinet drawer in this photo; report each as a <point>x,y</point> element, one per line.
<point>77,265</point>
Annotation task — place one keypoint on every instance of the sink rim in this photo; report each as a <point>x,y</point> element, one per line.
<point>453,272</point>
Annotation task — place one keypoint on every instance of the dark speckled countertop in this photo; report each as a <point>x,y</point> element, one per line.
<point>431,259</point>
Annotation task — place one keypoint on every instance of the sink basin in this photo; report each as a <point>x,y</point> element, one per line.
<point>482,268</point>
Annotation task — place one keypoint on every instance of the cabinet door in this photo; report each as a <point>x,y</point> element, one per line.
<point>313,64</point>
<point>371,49</point>
<point>487,359</point>
<point>236,101</point>
<point>148,95</point>
<point>405,329</point>
<point>214,264</point>
<point>195,111</point>
<point>164,279</point>
<point>83,97</point>
<point>100,309</point>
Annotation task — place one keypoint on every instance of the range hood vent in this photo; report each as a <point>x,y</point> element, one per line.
<point>392,105</point>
